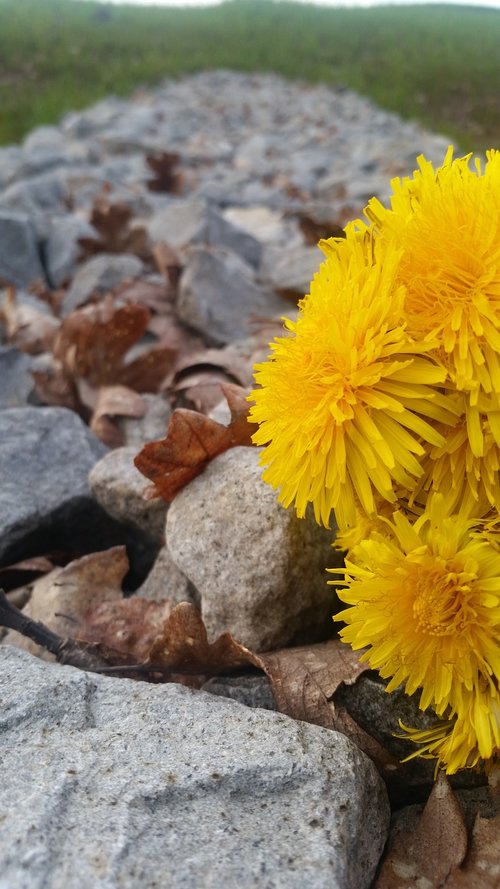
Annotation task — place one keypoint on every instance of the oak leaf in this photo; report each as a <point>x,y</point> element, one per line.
<point>193,440</point>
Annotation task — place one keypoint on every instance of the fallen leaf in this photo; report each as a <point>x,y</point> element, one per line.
<point>197,382</point>
<point>234,363</point>
<point>56,388</point>
<point>166,178</point>
<point>93,343</point>
<point>304,680</point>
<point>114,402</point>
<point>193,440</point>
<point>112,222</point>
<point>147,372</point>
<point>183,646</point>
<point>481,869</point>
<point>61,599</point>
<point>129,626</point>
<point>428,854</point>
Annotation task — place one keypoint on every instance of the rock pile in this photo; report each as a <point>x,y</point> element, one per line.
<point>226,182</point>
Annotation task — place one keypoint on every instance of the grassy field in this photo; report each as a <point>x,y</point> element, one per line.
<point>439,64</point>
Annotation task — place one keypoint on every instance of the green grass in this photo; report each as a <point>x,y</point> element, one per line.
<point>438,64</point>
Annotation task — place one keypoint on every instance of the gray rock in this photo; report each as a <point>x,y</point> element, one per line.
<point>45,457</point>
<point>47,192</point>
<point>267,225</point>
<point>16,382</point>
<point>252,691</point>
<point>108,782</point>
<point>47,147</point>
<point>19,257</point>
<point>118,486</point>
<point>218,297</point>
<point>194,222</point>
<point>99,275</point>
<point>291,270</point>
<point>135,128</point>
<point>61,247</point>
<point>166,581</point>
<point>11,158</point>
<point>259,570</point>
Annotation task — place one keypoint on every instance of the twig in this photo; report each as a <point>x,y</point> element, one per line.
<point>85,656</point>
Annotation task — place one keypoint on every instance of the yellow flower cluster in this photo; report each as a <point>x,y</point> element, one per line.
<point>381,403</point>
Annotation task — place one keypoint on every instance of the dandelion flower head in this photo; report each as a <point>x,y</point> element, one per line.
<point>466,469</point>
<point>424,599</point>
<point>467,738</point>
<point>344,402</point>
<point>447,223</point>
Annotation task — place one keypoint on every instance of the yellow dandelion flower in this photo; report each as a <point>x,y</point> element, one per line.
<point>425,602</point>
<point>346,538</point>
<point>466,469</point>
<point>466,739</point>
<point>447,224</point>
<point>344,402</point>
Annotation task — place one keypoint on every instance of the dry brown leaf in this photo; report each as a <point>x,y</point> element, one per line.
<point>61,599</point>
<point>193,440</point>
<point>197,382</point>
<point>431,852</point>
<point>304,681</point>
<point>112,222</point>
<point>201,392</point>
<point>35,565</point>
<point>55,388</point>
<point>93,342</point>
<point>92,348</point>
<point>147,372</point>
<point>231,362</point>
<point>114,402</point>
<point>183,646</point>
<point>28,328</point>
<point>166,178</point>
<point>129,626</point>
<point>481,869</point>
